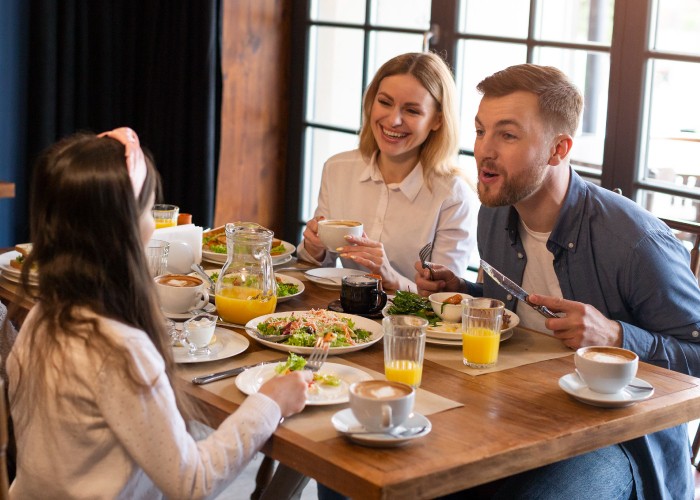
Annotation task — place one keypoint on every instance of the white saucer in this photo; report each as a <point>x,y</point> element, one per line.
<point>210,308</point>
<point>344,421</point>
<point>331,278</point>
<point>227,344</point>
<point>574,386</point>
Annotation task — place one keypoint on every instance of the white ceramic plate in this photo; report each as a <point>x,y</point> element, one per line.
<point>360,322</point>
<point>8,270</point>
<point>220,258</point>
<point>574,386</point>
<point>283,277</point>
<point>226,345</point>
<point>17,279</point>
<point>331,277</point>
<point>250,381</point>
<point>453,331</point>
<point>345,422</point>
<point>210,308</point>
<point>505,335</point>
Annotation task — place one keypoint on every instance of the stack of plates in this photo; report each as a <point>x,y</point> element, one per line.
<point>450,334</point>
<point>12,274</point>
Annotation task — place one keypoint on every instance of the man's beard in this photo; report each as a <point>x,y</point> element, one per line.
<point>511,190</point>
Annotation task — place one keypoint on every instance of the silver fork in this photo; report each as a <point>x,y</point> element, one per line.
<point>424,254</point>
<point>318,356</point>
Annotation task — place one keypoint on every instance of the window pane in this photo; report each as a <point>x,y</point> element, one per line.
<point>590,71</point>
<point>677,26</point>
<point>575,20</point>
<point>485,17</point>
<point>320,145</point>
<point>342,11</point>
<point>673,124</point>
<point>335,77</point>
<point>402,13</point>
<point>475,61</point>
<point>673,207</point>
<point>385,45</point>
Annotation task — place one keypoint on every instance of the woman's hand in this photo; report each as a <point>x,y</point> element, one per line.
<point>312,243</point>
<point>371,254</point>
<point>437,279</point>
<point>288,391</point>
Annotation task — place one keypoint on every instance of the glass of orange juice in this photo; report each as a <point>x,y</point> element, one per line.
<point>481,331</point>
<point>404,346</point>
<point>165,215</point>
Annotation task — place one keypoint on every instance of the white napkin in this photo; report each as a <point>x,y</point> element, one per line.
<point>185,246</point>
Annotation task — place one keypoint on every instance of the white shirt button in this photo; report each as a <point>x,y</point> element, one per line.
<point>510,297</point>
<point>571,245</point>
<point>520,255</point>
<point>695,333</point>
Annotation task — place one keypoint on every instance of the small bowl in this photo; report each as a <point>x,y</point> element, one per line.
<point>450,313</point>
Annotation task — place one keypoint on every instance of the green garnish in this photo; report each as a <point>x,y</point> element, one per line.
<point>413,304</point>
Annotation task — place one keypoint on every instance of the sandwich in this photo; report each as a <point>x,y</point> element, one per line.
<point>24,249</point>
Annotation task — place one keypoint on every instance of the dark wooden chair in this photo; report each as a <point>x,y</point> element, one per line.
<point>690,230</point>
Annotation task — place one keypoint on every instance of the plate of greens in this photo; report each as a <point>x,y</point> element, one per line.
<point>345,332</point>
<point>329,386</point>
<point>405,302</point>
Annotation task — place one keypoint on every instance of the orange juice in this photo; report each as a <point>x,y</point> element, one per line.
<point>165,223</point>
<point>240,304</point>
<point>480,347</point>
<point>404,370</point>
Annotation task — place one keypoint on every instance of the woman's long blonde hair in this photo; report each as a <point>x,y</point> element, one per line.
<point>439,150</point>
<point>88,249</point>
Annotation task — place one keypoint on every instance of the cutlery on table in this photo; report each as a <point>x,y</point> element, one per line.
<point>318,355</point>
<point>211,377</point>
<point>514,289</point>
<point>397,432</point>
<point>200,270</point>
<point>424,255</point>
<point>254,332</point>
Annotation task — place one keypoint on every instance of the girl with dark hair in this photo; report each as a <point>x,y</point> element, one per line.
<point>91,385</point>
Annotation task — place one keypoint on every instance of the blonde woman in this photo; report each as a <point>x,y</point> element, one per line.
<point>401,183</point>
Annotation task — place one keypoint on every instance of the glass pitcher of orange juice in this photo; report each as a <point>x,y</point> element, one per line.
<point>246,287</point>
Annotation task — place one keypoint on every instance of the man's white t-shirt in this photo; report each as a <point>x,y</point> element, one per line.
<point>539,277</point>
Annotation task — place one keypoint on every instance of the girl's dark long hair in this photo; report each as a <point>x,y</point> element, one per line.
<point>87,247</point>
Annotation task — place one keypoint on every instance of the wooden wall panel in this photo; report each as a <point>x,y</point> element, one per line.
<point>254,113</point>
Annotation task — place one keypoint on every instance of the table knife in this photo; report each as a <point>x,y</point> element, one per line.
<point>212,377</point>
<point>514,289</point>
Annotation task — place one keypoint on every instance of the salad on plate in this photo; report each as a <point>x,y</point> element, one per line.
<point>304,328</point>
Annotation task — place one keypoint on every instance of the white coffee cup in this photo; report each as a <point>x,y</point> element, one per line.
<point>332,232</point>
<point>180,293</point>
<point>380,405</point>
<point>606,369</point>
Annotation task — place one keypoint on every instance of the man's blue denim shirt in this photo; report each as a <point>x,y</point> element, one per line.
<point>619,258</point>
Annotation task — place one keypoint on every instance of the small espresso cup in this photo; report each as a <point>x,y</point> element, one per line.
<point>180,293</point>
<point>380,405</point>
<point>332,232</point>
<point>606,369</point>
<point>361,295</point>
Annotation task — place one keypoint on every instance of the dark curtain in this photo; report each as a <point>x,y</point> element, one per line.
<point>153,65</point>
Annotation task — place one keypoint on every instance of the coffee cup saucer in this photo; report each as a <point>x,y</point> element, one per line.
<point>574,386</point>
<point>345,422</point>
<point>336,306</point>
<point>210,308</point>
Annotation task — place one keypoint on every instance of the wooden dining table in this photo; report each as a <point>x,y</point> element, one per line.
<point>496,424</point>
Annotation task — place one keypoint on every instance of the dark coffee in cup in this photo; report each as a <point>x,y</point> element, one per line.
<point>362,295</point>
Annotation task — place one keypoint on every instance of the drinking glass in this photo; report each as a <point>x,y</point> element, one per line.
<point>165,215</point>
<point>404,346</point>
<point>481,331</point>
<point>157,256</point>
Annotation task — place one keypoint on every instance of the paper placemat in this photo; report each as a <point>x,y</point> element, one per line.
<point>314,422</point>
<point>524,347</point>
